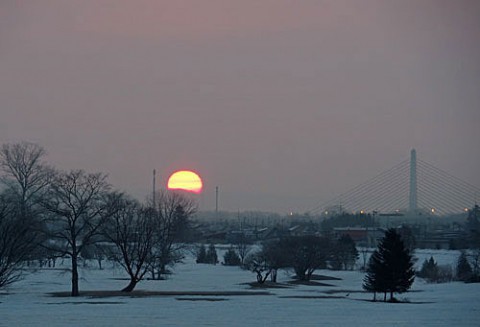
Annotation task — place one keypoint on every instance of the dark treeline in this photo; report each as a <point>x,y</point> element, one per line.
<point>302,254</point>
<point>348,220</point>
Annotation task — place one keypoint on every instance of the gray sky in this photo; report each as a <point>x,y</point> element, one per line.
<point>283,104</point>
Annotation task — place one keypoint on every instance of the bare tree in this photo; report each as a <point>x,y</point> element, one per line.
<point>365,253</point>
<point>259,264</point>
<point>17,241</point>
<point>25,174</point>
<point>308,253</point>
<point>243,247</point>
<point>172,212</point>
<point>25,177</point>
<point>95,252</point>
<point>274,255</point>
<point>345,255</point>
<point>79,205</point>
<point>131,230</point>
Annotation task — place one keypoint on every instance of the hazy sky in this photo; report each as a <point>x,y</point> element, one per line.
<point>283,104</point>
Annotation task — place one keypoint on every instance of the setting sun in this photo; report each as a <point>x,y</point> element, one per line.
<point>185,180</point>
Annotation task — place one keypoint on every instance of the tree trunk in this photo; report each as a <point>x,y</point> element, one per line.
<point>301,275</point>
<point>273,276</point>
<point>130,286</point>
<point>162,271</point>
<point>384,296</point>
<point>391,296</point>
<point>74,275</point>
<point>259,278</point>
<point>309,275</point>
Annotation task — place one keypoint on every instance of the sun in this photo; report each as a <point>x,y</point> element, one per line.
<point>185,180</point>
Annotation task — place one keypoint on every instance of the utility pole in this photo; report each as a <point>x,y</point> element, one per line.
<point>216,200</point>
<point>153,194</point>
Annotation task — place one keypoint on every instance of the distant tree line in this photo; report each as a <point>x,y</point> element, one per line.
<point>302,254</point>
<point>467,267</point>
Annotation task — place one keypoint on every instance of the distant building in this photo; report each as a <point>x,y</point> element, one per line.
<point>364,236</point>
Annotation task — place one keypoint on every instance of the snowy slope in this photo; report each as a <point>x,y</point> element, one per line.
<point>342,304</point>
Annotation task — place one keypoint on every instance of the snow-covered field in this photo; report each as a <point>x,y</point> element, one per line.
<point>28,303</point>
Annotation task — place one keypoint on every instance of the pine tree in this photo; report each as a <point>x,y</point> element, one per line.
<point>231,258</point>
<point>212,255</point>
<point>373,281</point>
<point>464,270</point>
<point>390,268</point>
<point>202,254</point>
<point>429,270</point>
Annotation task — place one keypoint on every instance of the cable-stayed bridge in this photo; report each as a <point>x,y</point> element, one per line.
<point>412,187</point>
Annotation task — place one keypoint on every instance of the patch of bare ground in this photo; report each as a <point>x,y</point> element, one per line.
<point>324,277</point>
<point>266,285</point>
<point>208,299</point>
<point>312,297</point>
<point>308,283</point>
<point>143,293</point>
<point>148,278</point>
<point>86,302</point>
<point>396,301</point>
<point>319,277</point>
<point>335,291</point>
<point>314,280</point>
<point>49,269</point>
<point>344,291</point>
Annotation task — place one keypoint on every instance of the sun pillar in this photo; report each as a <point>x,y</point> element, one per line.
<point>412,203</point>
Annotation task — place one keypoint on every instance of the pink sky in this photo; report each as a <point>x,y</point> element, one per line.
<point>282,104</point>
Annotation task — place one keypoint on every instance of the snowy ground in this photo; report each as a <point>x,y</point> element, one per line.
<point>28,303</point>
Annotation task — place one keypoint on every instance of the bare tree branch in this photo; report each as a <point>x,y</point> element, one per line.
<point>79,205</point>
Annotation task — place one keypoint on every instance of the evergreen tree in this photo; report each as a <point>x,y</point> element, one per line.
<point>212,257</point>
<point>464,270</point>
<point>231,258</point>
<point>202,254</point>
<point>390,269</point>
<point>429,271</point>
<point>373,281</point>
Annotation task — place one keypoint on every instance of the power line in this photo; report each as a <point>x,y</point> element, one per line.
<point>369,184</point>
<point>389,191</point>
